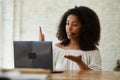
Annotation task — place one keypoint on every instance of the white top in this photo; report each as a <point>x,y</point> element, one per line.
<point>90,58</point>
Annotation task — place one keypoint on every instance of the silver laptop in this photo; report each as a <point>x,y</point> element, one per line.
<point>33,54</point>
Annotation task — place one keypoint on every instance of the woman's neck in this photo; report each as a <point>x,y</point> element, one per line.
<point>74,45</point>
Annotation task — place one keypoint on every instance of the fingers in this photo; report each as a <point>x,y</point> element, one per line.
<point>40,30</point>
<point>41,35</point>
<point>73,58</point>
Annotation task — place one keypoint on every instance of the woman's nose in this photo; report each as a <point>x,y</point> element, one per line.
<point>69,27</point>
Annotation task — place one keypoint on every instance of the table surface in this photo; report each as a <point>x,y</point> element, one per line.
<point>87,75</point>
<point>76,75</point>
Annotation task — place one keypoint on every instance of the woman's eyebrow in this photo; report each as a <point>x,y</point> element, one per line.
<point>67,20</point>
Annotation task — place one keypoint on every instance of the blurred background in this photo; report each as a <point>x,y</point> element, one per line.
<point>20,20</point>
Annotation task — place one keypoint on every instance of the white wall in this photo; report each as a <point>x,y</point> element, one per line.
<point>0,38</point>
<point>6,33</point>
<point>29,14</point>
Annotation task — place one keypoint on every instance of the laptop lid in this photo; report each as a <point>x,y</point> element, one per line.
<point>33,54</point>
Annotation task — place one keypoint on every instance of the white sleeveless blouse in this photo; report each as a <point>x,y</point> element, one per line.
<point>91,58</point>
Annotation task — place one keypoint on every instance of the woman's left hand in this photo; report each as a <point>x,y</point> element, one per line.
<point>76,59</point>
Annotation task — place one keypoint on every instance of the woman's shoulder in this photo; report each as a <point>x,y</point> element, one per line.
<point>93,52</point>
<point>59,45</point>
<point>58,49</point>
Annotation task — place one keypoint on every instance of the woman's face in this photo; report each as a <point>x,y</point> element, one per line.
<point>73,27</point>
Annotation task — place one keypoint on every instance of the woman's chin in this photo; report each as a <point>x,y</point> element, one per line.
<point>69,37</point>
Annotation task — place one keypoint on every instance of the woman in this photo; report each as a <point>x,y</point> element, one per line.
<point>79,34</point>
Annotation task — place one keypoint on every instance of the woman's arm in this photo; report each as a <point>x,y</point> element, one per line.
<point>78,60</point>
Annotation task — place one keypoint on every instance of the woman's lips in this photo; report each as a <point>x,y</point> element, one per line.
<point>70,33</point>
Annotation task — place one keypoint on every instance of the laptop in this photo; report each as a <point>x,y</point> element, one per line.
<point>33,54</point>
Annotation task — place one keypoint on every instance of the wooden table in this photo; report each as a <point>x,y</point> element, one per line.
<point>86,75</point>
<point>74,75</point>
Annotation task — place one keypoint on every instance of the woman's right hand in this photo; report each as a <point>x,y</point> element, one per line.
<point>41,35</point>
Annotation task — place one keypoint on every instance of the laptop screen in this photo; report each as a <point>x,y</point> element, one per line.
<point>33,54</point>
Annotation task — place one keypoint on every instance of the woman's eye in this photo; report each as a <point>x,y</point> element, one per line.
<point>67,23</point>
<point>74,24</point>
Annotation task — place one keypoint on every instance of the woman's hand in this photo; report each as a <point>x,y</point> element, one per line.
<point>41,35</point>
<point>78,60</point>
